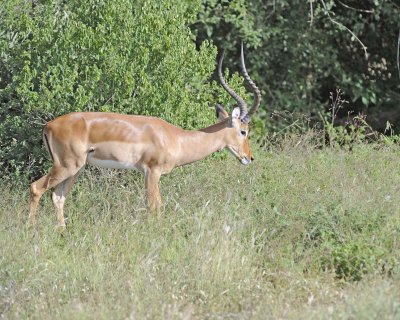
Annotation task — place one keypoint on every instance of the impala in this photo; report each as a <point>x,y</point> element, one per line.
<point>150,145</point>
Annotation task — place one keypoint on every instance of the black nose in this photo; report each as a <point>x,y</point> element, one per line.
<point>252,159</point>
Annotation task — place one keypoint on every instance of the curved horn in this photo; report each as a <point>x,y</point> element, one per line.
<point>254,89</point>
<point>241,103</point>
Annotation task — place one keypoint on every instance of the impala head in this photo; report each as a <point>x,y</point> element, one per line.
<point>238,143</point>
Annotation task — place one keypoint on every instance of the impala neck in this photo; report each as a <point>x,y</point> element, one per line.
<point>196,145</point>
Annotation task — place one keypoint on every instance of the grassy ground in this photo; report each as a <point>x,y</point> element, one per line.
<point>299,234</point>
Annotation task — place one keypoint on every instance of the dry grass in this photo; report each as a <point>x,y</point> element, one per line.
<point>301,233</point>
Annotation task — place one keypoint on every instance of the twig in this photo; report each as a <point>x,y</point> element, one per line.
<point>355,9</point>
<point>396,5</point>
<point>311,12</point>
<point>289,126</point>
<point>273,9</point>
<point>398,54</point>
<point>343,26</point>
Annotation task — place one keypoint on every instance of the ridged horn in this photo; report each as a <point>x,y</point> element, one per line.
<point>240,102</point>
<point>254,89</point>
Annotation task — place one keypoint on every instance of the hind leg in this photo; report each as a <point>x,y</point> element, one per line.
<point>56,176</point>
<point>59,194</point>
<point>37,189</point>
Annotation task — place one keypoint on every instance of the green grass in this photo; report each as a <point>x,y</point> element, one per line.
<point>300,233</point>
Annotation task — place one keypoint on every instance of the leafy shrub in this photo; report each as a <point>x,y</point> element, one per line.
<point>127,56</point>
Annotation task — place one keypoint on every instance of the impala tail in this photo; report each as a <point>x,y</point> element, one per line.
<point>46,140</point>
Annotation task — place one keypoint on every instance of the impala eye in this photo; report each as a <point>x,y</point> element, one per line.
<point>243,133</point>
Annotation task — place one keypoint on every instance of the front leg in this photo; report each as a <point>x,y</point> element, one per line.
<point>153,197</point>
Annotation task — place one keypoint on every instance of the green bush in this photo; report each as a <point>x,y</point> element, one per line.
<point>127,56</point>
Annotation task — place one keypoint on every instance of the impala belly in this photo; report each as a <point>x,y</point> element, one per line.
<point>110,164</point>
<point>115,156</point>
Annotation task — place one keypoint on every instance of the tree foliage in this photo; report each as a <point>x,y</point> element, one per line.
<point>134,57</point>
<point>158,58</point>
<point>303,50</point>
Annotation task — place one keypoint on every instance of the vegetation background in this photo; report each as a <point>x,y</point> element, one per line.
<point>310,230</point>
<point>159,58</point>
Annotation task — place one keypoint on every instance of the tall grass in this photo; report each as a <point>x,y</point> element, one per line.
<point>300,233</point>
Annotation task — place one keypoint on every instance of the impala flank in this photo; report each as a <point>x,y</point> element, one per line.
<point>149,145</point>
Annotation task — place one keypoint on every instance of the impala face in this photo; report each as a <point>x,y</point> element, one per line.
<point>151,145</point>
<point>238,142</point>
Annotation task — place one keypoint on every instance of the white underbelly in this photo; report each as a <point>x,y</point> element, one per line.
<point>111,164</point>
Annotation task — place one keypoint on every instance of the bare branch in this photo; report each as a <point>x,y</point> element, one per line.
<point>398,54</point>
<point>355,9</point>
<point>273,9</point>
<point>343,26</point>
<point>393,3</point>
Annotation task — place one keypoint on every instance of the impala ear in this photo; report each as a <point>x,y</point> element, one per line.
<point>236,113</point>
<point>220,112</point>
<point>235,118</point>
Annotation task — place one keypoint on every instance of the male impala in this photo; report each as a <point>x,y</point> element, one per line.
<point>147,144</point>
